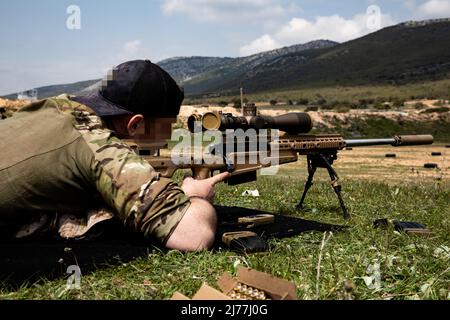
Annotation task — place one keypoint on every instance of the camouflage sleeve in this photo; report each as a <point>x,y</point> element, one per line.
<point>143,200</point>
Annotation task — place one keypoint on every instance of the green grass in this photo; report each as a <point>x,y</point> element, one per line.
<point>353,94</point>
<point>411,267</point>
<point>379,126</point>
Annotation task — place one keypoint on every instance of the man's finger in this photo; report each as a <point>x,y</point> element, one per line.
<point>219,177</point>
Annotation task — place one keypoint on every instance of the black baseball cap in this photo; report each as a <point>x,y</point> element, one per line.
<point>135,87</point>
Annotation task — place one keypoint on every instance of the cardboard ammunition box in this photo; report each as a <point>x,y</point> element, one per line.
<point>179,296</point>
<point>204,293</point>
<point>208,293</point>
<point>274,288</point>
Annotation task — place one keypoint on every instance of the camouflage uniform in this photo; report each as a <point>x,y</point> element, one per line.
<point>58,159</point>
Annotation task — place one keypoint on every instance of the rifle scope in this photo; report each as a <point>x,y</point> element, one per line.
<point>292,123</point>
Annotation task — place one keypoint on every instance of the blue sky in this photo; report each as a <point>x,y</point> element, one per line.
<point>37,47</point>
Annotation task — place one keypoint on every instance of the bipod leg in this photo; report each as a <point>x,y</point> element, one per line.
<point>309,182</point>
<point>336,187</point>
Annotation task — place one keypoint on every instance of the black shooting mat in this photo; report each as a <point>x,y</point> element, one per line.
<point>28,260</point>
<point>284,226</point>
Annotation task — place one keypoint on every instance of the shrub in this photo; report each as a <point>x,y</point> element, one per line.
<point>236,103</point>
<point>419,106</point>
<point>439,103</point>
<point>333,104</point>
<point>436,110</point>
<point>383,106</point>
<point>273,102</point>
<point>397,103</point>
<point>223,104</point>
<point>327,107</point>
<point>303,101</point>
<point>342,109</point>
<point>366,101</point>
<point>345,103</point>
<point>358,105</point>
<point>321,101</point>
<point>311,109</point>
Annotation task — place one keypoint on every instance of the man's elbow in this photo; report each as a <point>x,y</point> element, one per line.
<point>196,231</point>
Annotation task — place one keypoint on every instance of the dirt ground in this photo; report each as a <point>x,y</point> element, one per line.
<point>326,118</point>
<point>12,105</point>
<point>371,163</point>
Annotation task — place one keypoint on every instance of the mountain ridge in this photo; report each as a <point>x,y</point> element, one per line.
<point>173,65</point>
<point>395,55</point>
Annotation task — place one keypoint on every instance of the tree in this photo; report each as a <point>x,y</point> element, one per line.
<point>303,101</point>
<point>236,103</point>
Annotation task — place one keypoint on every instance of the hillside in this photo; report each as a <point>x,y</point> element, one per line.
<point>401,54</point>
<point>183,69</point>
<point>187,70</point>
<point>54,90</point>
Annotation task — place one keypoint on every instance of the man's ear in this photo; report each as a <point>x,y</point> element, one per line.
<point>134,124</point>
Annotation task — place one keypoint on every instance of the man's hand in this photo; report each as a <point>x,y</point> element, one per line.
<point>203,188</point>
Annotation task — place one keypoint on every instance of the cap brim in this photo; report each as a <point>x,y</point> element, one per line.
<point>99,104</point>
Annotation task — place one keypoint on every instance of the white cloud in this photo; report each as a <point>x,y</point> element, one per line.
<point>333,27</point>
<point>410,4</point>
<point>131,50</point>
<point>225,10</point>
<point>433,9</point>
<point>132,46</point>
<point>264,43</point>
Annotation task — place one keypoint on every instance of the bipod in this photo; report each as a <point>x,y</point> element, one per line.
<point>319,160</point>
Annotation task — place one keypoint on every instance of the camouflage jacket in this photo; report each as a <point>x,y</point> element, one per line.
<point>59,161</point>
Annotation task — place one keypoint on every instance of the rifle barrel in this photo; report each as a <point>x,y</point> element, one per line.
<point>369,142</point>
<point>406,140</point>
